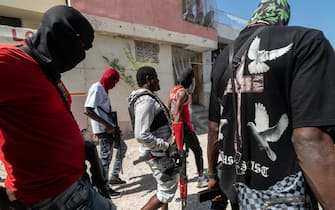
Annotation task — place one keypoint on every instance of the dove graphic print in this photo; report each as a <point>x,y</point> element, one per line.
<point>272,106</point>
<point>264,134</point>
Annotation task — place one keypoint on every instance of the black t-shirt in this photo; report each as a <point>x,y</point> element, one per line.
<point>287,81</point>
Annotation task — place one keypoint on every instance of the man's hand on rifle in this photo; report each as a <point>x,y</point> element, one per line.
<point>110,129</point>
<point>172,151</point>
<point>213,183</point>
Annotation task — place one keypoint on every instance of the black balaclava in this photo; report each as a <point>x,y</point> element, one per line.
<point>186,78</point>
<point>273,12</point>
<point>61,40</point>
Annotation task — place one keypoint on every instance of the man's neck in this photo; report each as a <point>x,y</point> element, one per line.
<point>147,86</point>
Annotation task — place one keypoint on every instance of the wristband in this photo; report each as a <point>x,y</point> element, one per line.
<point>211,175</point>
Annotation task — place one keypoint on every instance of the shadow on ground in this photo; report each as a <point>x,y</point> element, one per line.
<point>193,202</point>
<point>136,184</point>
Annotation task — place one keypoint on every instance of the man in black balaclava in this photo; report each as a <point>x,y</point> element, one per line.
<point>41,146</point>
<point>61,40</point>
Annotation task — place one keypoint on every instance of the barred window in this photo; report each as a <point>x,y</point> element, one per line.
<point>146,52</point>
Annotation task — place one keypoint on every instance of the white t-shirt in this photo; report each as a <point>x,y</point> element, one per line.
<point>98,97</point>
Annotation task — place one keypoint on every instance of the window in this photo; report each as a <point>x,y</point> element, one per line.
<point>15,22</point>
<point>146,52</point>
<point>199,11</point>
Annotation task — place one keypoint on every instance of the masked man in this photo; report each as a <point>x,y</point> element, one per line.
<point>274,117</point>
<point>41,145</point>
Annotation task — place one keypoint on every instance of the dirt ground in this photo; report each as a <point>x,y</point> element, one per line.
<point>141,185</point>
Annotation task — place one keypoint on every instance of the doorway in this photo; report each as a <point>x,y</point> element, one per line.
<point>183,59</point>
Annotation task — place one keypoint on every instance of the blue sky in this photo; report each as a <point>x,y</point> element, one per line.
<point>313,14</point>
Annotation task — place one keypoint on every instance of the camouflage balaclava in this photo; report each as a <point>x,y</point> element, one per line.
<point>273,12</point>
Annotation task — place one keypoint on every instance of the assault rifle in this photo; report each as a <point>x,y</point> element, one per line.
<point>142,159</point>
<point>117,132</point>
<point>178,132</point>
<point>210,194</point>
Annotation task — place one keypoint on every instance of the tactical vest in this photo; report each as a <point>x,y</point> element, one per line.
<point>159,120</point>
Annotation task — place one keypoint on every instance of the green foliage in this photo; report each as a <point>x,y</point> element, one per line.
<point>114,63</point>
<point>134,65</point>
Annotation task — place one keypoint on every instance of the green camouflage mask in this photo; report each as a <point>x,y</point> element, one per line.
<point>274,12</point>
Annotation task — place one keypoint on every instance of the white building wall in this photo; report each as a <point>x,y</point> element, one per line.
<point>89,71</point>
<point>206,75</point>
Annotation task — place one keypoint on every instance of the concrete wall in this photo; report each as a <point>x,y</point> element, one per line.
<point>206,75</point>
<point>89,71</point>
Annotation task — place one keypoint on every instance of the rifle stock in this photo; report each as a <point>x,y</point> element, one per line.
<point>142,159</point>
<point>178,132</point>
<point>113,116</point>
<point>209,194</point>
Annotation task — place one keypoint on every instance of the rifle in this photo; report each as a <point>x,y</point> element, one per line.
<point>210,194</point>
<point>178,132</point>
<point>115,125</point>
<point>142,159</point>
<point>117,133</point>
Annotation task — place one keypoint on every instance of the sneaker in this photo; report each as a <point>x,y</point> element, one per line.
<point>117,180</point>
<point>202,181</point>
<point>113,194</point>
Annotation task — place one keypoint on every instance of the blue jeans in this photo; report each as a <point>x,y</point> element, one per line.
<point>106,142</point>
<point>79,195</point>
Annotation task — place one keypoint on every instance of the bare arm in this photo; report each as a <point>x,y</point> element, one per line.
<point>212,148</point>
<point>316,156</point>
<point>91,114</point>
<point>181,99</point>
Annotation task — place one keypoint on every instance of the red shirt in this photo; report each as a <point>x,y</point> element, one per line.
<point>185,116</point>
<point>41,145</point>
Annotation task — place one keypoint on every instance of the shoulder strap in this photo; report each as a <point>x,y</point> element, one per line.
<point>131,107</point>
<point>109,115</point>
<point>139,95</point>
<point>233,63</point>
<point>160,119</point>
<point>236,59</point>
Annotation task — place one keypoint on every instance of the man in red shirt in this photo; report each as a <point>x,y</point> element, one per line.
<point>41,145</point>
<point>179,105</point>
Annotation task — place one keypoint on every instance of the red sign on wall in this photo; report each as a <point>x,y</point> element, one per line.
<point>12,35</point>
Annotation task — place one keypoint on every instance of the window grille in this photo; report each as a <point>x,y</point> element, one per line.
<point>146,52</point>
